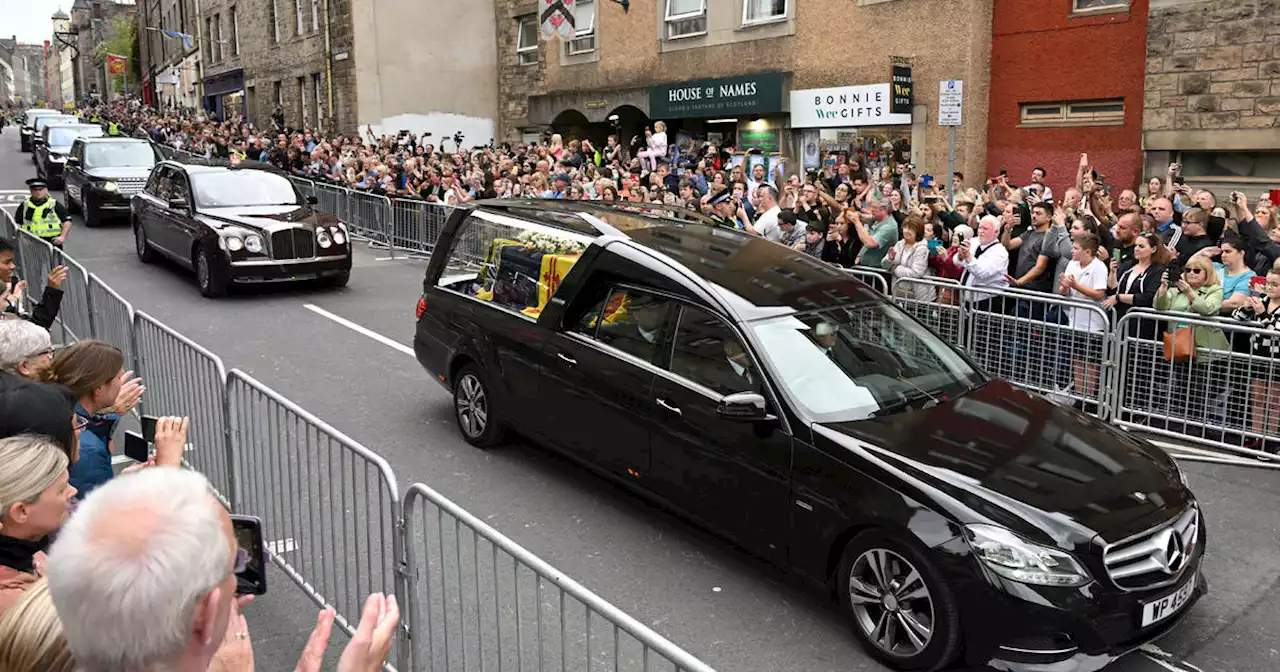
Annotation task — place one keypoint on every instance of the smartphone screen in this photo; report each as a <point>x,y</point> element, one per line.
<point>136,447</point>
<point>149,428</point>
<point>252,554</point>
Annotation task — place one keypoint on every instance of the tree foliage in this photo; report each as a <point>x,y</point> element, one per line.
<point>122,41</point>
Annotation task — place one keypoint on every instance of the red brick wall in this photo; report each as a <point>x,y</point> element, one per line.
<point>1040,52</point>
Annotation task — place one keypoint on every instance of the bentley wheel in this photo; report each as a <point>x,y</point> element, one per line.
<point>901,610</point>
<point>145,254</point>
<point>208,276</point>
<point>473,408</point>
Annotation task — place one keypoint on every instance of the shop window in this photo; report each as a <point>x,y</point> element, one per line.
<point>1074,113</point>
<point>763,11</point>
<point>1085,6</point>
<point>527,42</point>
<point>584,38</point>
<point>1230,165</point>
<point>686,18</point>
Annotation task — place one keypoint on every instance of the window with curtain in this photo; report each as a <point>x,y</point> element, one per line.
<point>584,38</point>
<point>755,11</point>
<point>686,18</point>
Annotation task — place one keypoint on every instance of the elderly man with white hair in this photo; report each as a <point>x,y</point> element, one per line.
<point>985,262</point>
<point>143,578</point>
<point>26,349</point>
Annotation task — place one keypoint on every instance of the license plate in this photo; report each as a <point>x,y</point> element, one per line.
<point>1158,610</point>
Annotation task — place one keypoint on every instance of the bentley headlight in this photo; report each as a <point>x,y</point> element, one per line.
<point>1015,558</point>
<point>234,243</point>
<point>323,238</point>
<point>339,236</point>
<point>110,186</point>
<point>253,243</point>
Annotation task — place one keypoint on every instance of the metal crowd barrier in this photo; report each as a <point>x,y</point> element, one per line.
<point>935,303</point>
<point>1222,396</point>
<point>76,312</point>
<point>331,504</point>
<point>112,319</point>
<point>480,601</point>
<point>183,378</point>
<point>878,280</point>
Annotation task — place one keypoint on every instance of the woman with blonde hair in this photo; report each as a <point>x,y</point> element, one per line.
<point>31,637</point>
<point>35,498</point>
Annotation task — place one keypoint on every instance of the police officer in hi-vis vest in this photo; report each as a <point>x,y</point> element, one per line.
<point>44,217</point>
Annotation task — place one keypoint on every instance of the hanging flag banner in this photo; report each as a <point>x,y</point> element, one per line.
<point>188,42</point>
<point>116,64</point>
<point>557,19</point>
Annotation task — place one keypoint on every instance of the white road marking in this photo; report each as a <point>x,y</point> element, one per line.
<point>282,546</point>
<point>360,329</point>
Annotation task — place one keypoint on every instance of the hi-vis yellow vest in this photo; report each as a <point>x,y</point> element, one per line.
<point>42,220</point>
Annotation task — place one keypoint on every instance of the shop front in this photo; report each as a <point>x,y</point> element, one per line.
<point>832,124</point>
<point>224,93</point>
<point>745,113</point>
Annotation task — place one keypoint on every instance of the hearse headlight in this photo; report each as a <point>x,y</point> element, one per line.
<point>110,186</point>
<point>1017,559</point>
<point>322,237</point>
<point>253,243</point>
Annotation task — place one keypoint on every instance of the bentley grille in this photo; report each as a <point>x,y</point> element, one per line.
<point>293,244</point>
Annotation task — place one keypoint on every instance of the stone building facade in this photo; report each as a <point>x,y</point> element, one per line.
<point>260,54</point>
<point>1212,99</point>
<point>610,78</point>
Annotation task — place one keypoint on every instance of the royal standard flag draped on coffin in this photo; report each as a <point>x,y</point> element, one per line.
<point>554,268</point>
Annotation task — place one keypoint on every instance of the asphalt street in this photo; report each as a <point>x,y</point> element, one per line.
<point>344,355</point>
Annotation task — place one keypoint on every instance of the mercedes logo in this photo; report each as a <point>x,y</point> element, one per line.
<point>1170,551</point>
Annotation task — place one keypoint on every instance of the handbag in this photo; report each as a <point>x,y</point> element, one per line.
<point>1179,345</point>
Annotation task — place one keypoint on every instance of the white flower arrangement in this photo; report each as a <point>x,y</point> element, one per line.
<point>549,244</point>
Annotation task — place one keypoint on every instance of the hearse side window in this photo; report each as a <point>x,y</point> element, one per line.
<point>634,322</point>
<point>708,352</point>
<point>511,263</point>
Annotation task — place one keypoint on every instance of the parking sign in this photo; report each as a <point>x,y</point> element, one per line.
<point>950,102</point>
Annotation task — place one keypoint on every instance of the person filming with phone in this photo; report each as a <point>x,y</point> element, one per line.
<point>144,576</point>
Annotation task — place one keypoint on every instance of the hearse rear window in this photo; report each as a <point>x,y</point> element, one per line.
<point>510,262</point>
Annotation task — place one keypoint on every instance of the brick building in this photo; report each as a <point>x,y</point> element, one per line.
<point>1069,78</point>
<point>170,71</point>
<point>621,67</point>
<point>1213,93</point>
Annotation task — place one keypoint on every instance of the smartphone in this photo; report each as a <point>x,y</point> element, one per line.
<point>252,554</point>
<point>926,181</point>
<point>1178,180</point>
<point>1274,197</point>
<point>136,447</point>
<point>149,428</point>
<point>1115,253</point>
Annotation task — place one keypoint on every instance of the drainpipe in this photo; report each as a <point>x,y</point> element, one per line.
<point>328,66</point>
<point>200,60</point>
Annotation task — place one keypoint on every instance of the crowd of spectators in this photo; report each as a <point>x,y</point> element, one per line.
<point>1114,245</point>
<point>142,575</point>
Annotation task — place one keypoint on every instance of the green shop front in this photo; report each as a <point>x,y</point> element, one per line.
<point>746,113</point>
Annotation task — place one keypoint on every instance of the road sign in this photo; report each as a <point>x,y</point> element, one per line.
<point>950,102</point>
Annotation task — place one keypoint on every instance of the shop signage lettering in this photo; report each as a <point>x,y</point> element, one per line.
<point>865,105</point>
<point>752,94</point>
<point>903,91</point>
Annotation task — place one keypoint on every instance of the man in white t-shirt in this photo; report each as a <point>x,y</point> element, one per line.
<point>767,225</point>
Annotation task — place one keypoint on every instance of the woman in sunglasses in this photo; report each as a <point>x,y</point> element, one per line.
<point>94,372</point>
<point>1201,378</point>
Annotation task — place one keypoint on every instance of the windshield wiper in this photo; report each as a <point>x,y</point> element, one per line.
<point>907,400</point>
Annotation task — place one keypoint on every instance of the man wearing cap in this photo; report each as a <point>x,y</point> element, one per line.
<point>43,216</point>
<point>724,209</point>
<point>559,186</point>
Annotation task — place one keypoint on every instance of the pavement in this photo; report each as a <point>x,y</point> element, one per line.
<point>344,354</point>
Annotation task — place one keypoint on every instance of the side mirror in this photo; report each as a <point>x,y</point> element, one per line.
<point>73,162</point>
<point>744,406</point>
<point>312,200</point>
<point>178,204</point>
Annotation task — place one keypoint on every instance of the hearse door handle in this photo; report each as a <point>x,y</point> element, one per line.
<point>568,360</point>
<point>667,405</point>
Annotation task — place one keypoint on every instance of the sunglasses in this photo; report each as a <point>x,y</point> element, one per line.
<point>1189,271</point>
